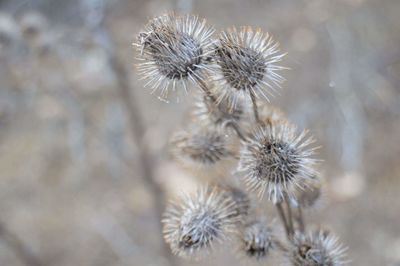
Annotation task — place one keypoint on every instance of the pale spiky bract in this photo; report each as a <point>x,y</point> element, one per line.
<point>193,224</point>
<point>257,240</point>
<point>276,160</point>
<point>201,146</point>
<point>174,50</point>
<point>245,62</point>
<point>316,248</point>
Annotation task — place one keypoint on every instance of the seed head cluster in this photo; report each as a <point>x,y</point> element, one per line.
<point>262,153</point>
<point>276,160</point>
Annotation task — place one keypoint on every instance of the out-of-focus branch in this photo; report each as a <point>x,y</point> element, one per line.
<point>21,250</point>
<point>138,130</point>
<point>95,23</point>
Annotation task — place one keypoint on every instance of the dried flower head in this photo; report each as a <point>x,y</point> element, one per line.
<point>221,113</point>
<point>201,146</point>
<point>317,248</point>
<point>193,224</point>
<point>174,50</point>
<point>245,62</point>
<point>257,240</point>
<point>277,160</point>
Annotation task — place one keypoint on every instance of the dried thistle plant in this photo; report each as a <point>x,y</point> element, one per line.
<point>268,154</point>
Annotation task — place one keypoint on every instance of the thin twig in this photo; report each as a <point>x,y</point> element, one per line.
<point>21,250</point>
<point>300,219</point>
<point>205,89</point>
<point>255,108</point>
<point>237,129</point>
<point>282,216</point>
<point>289,216</point>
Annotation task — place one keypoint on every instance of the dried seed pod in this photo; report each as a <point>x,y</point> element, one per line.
<point>276,159</point>
<point>174,50</point>
<point>220,113</point>
<point>316,248</point>
<point>245,62</point>
<point>201,146</point>
<point>193,224</point>
<point>257,240</point>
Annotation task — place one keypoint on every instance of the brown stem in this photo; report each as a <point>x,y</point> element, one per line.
<point>289,216</point>
<point>255,108</point>
<point>237,129</point>
<point>300,219</point>
<point>21,250</point>
<point>205,89</point>
<point>282,216</point>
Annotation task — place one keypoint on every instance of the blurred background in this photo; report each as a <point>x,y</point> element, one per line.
<point>84,164</point>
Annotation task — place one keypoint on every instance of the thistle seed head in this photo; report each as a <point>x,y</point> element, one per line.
<point>201,146</point>
<point>276,160</point>
<point>194,224</point>
<point>245,62</point>
<point>174,50</point>
<point>257,240</point>
<point>317,248</point>
<point>221,113</point>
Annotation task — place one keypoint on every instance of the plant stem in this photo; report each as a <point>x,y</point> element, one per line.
<point>205,89</point>
<point>281,214</point>
<point>290,216</point>
<point>300,219</point>
<point>237,129</point>
<point>255,108</point>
